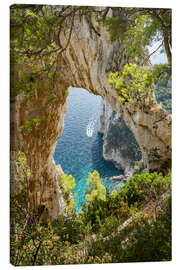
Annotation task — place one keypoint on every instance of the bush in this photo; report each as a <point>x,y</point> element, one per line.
<point>96,189</point>
<point>163,94</point>
<point>94,214</point>
<point>69,229</point>
<point>66,184</point>
<point>150,240</point>
<point>138,191</point>
<point>34,242</point>
<point>145,187</point>
<point>145,239</point>
<point>110,225</point>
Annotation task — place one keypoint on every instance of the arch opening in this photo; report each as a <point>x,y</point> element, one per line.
<point>79,150</point>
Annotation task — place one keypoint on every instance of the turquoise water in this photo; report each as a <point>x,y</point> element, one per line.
<point>79,149</point>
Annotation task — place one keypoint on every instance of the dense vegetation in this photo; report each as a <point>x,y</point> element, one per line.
<point>138,28</point>
<point>98,233</point>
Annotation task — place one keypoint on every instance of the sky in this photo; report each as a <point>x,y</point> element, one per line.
<point>157,57</point>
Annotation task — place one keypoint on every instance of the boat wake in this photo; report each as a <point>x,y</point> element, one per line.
<point>90,128</point>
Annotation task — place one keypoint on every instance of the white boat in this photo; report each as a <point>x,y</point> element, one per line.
<point>90,128</point>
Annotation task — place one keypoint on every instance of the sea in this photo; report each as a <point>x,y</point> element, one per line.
<point>79,149</point>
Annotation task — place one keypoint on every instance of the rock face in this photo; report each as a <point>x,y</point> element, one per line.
<point>119,144</point>
<point>38,141</point>
<point>38,121</point>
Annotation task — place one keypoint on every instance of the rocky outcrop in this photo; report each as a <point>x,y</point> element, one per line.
<point>122,178</point>
<point>119,144</point>
<point>38,119</point>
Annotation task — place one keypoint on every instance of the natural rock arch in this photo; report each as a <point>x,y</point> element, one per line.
<point>85,63</point>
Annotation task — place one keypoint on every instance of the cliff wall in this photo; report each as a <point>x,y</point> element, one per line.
<point>119,144</point>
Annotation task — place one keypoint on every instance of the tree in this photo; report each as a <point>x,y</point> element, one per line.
<point>138,28</point>
<point>67,183</point>
<point>96,189</point>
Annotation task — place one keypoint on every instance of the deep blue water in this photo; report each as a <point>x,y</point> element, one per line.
<point>79,149</point>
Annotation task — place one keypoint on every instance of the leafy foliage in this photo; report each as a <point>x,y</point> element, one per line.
<point>35,242</point>
<point>133,83</point>
<point>138,167</point>
<point>30,124</point>
<point>33,50</point>
<point>144,32</point>
<point>67,183</point>
<point>31,32</point>
<point>70,229</point>
<point>138,191</point>
<point>117,26</point>
<point>34,46</point>
<point>149,239</point>
<point>138,28</point>
<point>96,189</point>
<point>140,188</point>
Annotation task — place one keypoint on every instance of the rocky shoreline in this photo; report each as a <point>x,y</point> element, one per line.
<point>122,177</point>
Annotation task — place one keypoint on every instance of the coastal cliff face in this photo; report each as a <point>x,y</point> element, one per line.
<point>39,121</point>
<point>119,144</point>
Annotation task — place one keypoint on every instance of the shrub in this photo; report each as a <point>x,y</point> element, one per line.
<point>145,239</point>
<point>145,187</point>
<point>67,183</point>
<point>96,189</point>
<point>69,229</point>
<point>94,214</point>
<point>110,225</point>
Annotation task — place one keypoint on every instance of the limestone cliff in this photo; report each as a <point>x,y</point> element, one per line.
<point>37,121</point>
<point>119,144</point>
<point>36,125</point>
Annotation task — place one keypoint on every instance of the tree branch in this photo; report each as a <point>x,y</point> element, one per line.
<point>147,58</point>
<point>36,254</point>
<point>104,14</point>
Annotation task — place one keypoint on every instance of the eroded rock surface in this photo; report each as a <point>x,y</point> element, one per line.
<point>119,144</point>
<point>38,124</point>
